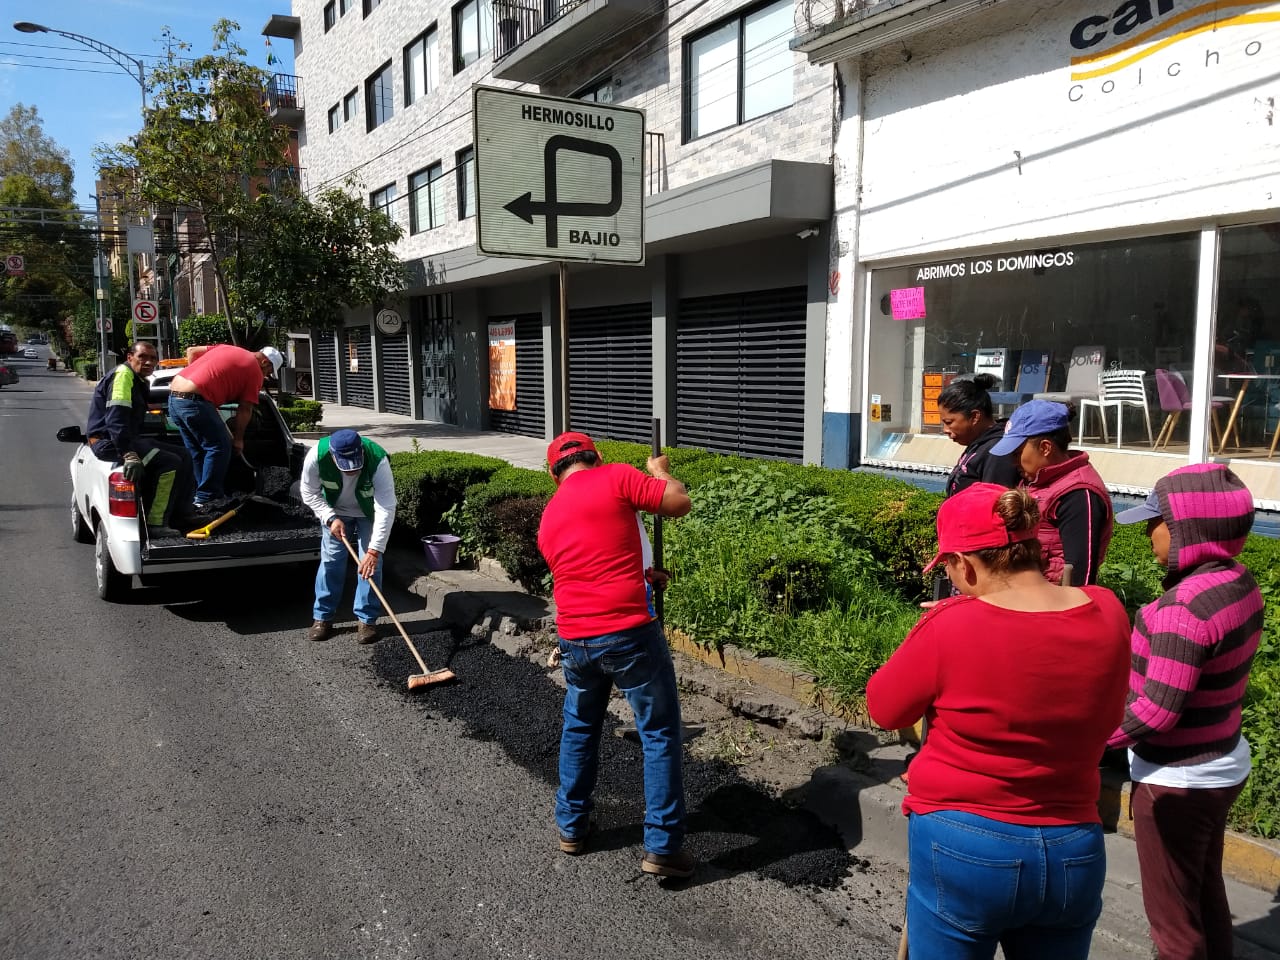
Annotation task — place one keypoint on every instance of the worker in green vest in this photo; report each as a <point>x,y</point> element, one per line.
<point>346,481</point>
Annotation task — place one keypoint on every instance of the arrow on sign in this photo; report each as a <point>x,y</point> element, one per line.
<point>526,208</point>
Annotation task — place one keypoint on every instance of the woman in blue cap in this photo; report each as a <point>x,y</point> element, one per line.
<point>1075,506</point>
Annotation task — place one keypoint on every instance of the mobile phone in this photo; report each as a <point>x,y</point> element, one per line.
<point>941,586</point>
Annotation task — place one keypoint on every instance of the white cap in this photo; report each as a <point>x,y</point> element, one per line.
<point>276,358</point>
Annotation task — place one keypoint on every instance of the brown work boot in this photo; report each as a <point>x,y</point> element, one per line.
<point>679,864</point>
<point>574,846</point>
<point>367,633</point>
<point>320,630</point>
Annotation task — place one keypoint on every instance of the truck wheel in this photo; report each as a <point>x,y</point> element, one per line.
<point>79,529</point>
<point>112,585</point>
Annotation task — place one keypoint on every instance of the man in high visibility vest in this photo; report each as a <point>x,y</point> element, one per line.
<point>346,481</point>
<point>161,472</point>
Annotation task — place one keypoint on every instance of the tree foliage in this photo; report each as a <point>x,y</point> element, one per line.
<point>56,246</point>
<point>312,257</point>
<point>209,148</point>
<point>27,150</point>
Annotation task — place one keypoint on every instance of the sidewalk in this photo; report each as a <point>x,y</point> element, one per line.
<point>863,806</point>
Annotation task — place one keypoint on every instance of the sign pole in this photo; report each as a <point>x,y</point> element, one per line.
<point>564,341</point>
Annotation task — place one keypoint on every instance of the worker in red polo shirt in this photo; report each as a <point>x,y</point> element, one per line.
<point>609,636</point>
<point>214,376</point>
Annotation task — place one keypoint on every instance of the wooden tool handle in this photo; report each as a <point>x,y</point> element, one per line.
<point>387,607</point>
<point>656,446</point>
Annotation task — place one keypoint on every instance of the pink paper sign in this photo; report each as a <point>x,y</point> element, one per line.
<point>907,303</point>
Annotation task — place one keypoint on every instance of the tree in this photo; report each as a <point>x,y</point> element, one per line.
<point>26,149</point>
<point>311,258</point>
<point>208,148</point>
<point>56,245</point>
<point>206,141</point>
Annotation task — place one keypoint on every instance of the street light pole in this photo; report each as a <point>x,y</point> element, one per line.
<point>131,65</point>
<point>100,287</point>
<point>136,69</point>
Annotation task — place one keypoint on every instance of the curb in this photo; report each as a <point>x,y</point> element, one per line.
<point>502,609</point>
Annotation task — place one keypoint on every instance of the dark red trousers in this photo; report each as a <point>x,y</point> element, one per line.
<point>1179,834</point>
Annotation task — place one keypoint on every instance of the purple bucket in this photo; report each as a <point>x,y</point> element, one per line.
<point>441,550</point>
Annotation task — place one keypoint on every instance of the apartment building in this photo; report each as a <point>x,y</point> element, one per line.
<point>721,332</point>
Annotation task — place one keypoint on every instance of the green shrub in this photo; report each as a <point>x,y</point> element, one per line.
<point>474,519</point>
<point>300,414</point>
<point>516,520</point>
<point>202,330</point>
<point>429,484</point>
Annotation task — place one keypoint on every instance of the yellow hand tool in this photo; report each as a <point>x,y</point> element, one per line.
<point>203,532</point>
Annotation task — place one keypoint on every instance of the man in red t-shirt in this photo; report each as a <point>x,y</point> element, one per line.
<point>608,636</point>
<point>214,376</point>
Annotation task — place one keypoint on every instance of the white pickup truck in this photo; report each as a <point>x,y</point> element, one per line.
<point>273,529</point>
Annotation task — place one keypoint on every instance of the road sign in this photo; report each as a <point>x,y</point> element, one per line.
<point>145,311</point>
<point>101,320</point>
<point>15,265</point>
<point>558,179</point>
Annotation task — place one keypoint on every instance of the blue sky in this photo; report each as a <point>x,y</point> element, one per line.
<point>85,99</point>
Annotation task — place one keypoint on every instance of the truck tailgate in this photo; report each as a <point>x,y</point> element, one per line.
<point>262,532</point>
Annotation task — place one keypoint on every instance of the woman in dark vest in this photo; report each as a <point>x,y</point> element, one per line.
<point>964,407</point>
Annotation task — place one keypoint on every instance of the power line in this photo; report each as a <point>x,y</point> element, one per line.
<point>43,66</point>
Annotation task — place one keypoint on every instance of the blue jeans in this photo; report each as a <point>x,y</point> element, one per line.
<point>207,439</point>
<point>639,662</point>
<point>976,882</point>
<point>333,573</point>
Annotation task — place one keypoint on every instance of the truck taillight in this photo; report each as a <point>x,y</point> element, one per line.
<point>122,501</point>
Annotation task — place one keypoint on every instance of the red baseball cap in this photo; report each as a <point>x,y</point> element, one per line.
<point>968,522</point>
<point>568,443</point>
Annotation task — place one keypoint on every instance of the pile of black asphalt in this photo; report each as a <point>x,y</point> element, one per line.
<point>735,825</point>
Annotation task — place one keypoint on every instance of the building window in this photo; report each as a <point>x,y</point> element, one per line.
<point>599,92</point>
<point>330,16</point>
<point>421,66</point>
<point>382,200</point>
<point>370,6</point>
<point>1041,321</point>
<point>739,70</point>
<point>379,104</point>
<point>466,170</point>
<point>335,117</point>
<point>350,106</point>
<point>472,32</point>
<point>426,199</point>
<point>344,6</point>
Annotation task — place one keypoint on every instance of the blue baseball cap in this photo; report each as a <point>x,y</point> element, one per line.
<point>1147,511</point>
<point>347,450</point>
<point>1038,418</point>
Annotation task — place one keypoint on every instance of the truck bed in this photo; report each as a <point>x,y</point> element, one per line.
<point>262,531</point>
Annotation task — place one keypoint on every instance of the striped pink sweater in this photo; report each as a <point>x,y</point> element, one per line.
<point>1192,648</point>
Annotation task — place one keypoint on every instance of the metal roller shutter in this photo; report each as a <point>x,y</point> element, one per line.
<point>740,373</point>
<point>393,362</point>
<point>611,371</point>
<point>326,367</point>
<point>358,382</point>
<point>528,418</point>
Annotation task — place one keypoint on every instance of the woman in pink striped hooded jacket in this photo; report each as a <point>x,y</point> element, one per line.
<point>1192,649</point>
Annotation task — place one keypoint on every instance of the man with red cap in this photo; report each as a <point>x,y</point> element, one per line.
<point>609,636</point>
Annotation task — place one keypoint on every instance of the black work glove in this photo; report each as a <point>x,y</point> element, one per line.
<point>133,469</point>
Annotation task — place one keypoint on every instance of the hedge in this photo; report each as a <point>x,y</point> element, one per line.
<point>299,413</point>
<point>818,566</point>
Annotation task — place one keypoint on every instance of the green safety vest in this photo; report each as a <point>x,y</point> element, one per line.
<point>331,476</point>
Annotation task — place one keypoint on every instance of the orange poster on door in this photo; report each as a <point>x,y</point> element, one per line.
<point>502,366</point>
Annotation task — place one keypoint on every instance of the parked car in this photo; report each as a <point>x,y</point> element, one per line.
<point>31,353</point>
<point>7,374</point>
<point>104,506</point>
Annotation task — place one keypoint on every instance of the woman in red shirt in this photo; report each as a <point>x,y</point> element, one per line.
<point>1020,683</point>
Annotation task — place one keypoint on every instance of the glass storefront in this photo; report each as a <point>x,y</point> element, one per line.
<point>1045,321</point>
<point>1247,342</point>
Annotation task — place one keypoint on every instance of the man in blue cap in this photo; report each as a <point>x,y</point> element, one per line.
<point>346,481</point>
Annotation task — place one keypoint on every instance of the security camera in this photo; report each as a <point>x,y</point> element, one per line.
<point>807,232</point>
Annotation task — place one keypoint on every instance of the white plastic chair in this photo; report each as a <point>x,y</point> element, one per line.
<point>1118,388</point>
<point>1082,376</point>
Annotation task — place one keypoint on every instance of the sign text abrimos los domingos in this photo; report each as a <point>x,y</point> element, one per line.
<point>566,118</point>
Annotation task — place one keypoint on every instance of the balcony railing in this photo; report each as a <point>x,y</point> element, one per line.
<point>517,21</point>
<point>284,94</point>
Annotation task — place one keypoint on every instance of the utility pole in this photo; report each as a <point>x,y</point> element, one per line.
<point>101,290</point>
